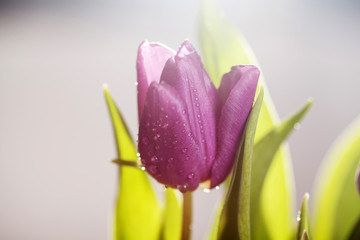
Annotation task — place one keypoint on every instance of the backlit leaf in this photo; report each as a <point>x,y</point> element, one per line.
<point>137,214</point>
<point>264,152</point>
<point>337,203</point>
<point>303,220</point>
<point>235,218</point>
<point>172,215</point>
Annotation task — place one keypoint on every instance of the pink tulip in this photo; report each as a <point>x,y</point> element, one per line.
<point>190,131</point>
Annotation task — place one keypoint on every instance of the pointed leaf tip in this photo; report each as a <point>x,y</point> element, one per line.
<point>303,218</point>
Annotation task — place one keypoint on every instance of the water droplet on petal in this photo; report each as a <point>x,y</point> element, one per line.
<point>145,140</point>
<point>136,83</point>
<point>206,190</point>
<point>152,169</point>
<point>154,159</point>
<point>184,111</point>
<point>191,175</point>
<point>143,168</point>
<point>138,154</point>
<point>184,150</point>
<point>217,187</point>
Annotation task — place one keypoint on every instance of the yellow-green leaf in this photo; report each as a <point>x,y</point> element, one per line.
<point>303,220</point>
<point>264,152</point>
<point>137,214</point>
<point>235,218</point>
<point>337,204</point>
<point>172,215</point>
<point>355,233</point>
<point>223,47</point>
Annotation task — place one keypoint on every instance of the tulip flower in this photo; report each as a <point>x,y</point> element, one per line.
<point>189,131</point>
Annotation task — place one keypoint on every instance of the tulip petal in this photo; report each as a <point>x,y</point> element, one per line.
<point>168,149</point>
<point>236,91</point>
<point>149,65</point>
<point>187,75</point>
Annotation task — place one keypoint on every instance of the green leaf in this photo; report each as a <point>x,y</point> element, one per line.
<point>305,235</point>
<point>137,213</point>
<point>337,203</point>
<point>223,47</point>
<point>235,218</point>
<point>264,152</point>
<point>172,216</point>
<point>303,220</point>
<point>355,233</point>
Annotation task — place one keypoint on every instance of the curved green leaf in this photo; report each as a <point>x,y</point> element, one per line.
<point>223,47</point>
<point>355,233</point>
<point>137,213</point>
<point>172,215</point>
<point>264,152</point>
<point>303,220</point>
<point>235,218</point>
<point>337,203</point>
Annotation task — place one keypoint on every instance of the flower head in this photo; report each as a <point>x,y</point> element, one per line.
<point>190,131</point>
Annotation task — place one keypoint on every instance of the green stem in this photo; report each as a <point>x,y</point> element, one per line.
<point>187,212</point>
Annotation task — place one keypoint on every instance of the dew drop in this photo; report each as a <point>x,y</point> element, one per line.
<point>176,122</point>
<point>184,111</point>
<point>184,150</point>
<point>145,140</point>
<point>187,158</point>
<point>143,168</point>
<point>206,190</point>
<point>154,129</point>
<point>191,175</point>
<point>182,188</point>
<point>297,126</point>
<point>138,154</point>
<point>154,159</point>
<point>174,142</point>
<point>298,218</point>
<point>197,104</point>
<point>152,169</point>
<point>170,159</point>
<point>136,83</point>
<point>217,187</point>
<point>198,116</point>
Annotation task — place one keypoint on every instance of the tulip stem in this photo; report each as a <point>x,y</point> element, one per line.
<point>187,212</point>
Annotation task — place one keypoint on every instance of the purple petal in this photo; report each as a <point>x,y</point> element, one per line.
<point>237,91</point>
<point>358,179</point>
<point>150,63</point>
<point>167,147</point>
<point>187,75</point>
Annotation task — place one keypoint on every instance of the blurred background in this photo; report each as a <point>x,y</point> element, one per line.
<point>56,140</point>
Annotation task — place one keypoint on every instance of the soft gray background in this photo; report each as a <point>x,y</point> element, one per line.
<point>56,142</point>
